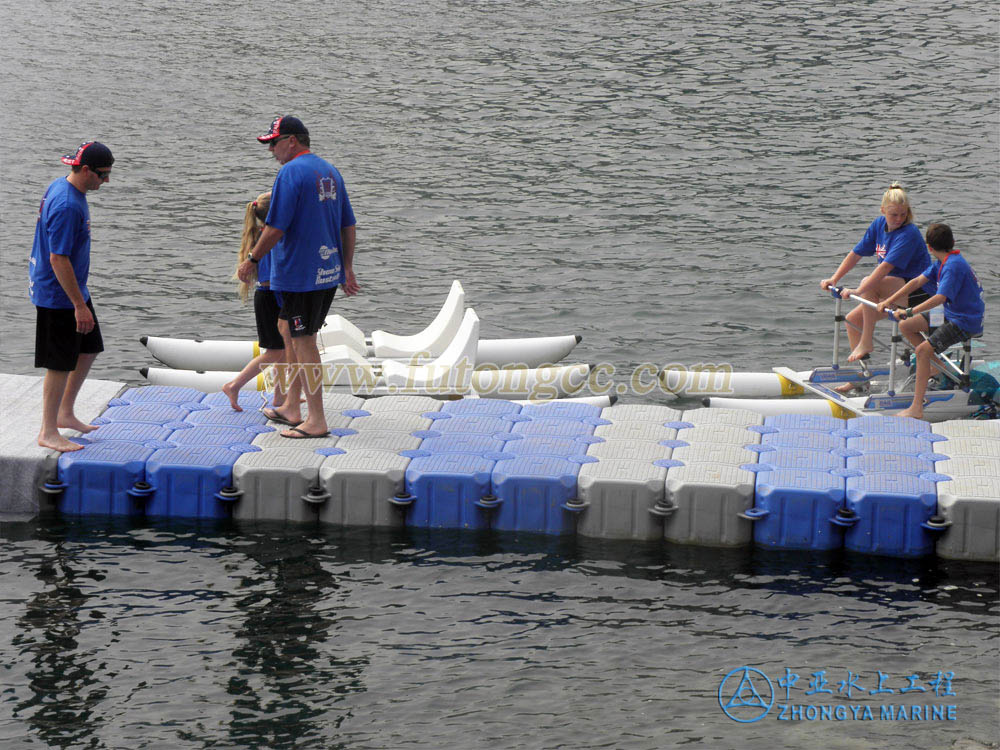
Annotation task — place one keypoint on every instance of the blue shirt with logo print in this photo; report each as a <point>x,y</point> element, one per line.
<point>63,228</point>
<point>309,204</point>
<point>904,248</point>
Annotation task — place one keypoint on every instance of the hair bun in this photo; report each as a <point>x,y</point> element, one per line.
<point>895,186</point>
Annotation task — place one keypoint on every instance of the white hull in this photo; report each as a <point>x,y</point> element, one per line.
<point>723,382</point>
<point>195,354</point>
<point>513,384</point>
<point>936,411</point>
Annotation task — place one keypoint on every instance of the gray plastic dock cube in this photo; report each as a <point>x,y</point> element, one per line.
<point>334,402</point>
<point>976,428</point>
<point>379,440</point>
<point>406,403</point>
<point>969,446</point>
<point>730,417</point>
<point>707,498</point>
<point>721,433</point>
<point>628,450</point>
<point>649,432</point>
<point>397,421</point>
<point>972,505</point>
<point>275,440</point>
<point>717,453</point>
<point>360,483</point>
<point>620,493</point>
<point>640,413</point>
<point>273,482</point>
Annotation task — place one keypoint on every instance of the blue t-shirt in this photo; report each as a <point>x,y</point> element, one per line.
<point>63,228</point>
<point>309,204</point>
<point>963,293</point>
<point>264,270</point>
<point>904,248</point>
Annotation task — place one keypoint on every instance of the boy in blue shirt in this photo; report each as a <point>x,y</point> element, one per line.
<point>962,295</point>
<point>67,334</point>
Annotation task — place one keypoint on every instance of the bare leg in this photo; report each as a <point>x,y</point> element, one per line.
<point>311,378</point>
<point>66,417</point>
<point>862,344</point>
<point>53,388</point>
<point>924,353</point>
<point>233,387</point>
<point>288,384</point>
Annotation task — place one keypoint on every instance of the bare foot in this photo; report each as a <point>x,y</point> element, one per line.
<point>844,388</point>
<point>72,423</point>
<point>233,395</point>
<point>915,411</point>
<point>58,443</point>
<point>859,353</point>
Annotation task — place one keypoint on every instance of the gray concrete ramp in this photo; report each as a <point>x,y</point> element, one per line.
<point>22,461</point>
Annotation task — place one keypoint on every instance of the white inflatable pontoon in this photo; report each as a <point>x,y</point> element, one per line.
<point>196,354</point>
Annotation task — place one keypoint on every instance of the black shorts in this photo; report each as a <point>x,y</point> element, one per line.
<point>917,297</point>
<point>306,311</point>
<point>57,343</point>
<point>946,335</point>
<point>265,310</point>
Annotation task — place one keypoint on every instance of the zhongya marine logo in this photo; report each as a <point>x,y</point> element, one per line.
<point>746,695</point>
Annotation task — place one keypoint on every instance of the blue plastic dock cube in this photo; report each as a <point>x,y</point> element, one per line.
<point>554,427</point>
<point>804,458</point>
<point>248,400</point>
<point>562,410</point>
<point>891,443</point>
<point>131,432</point>
<point>446,488</point>
<point>485,407</point>
<point>815,440</point>
<point>794,508</point>
<point>890,509</point>
<point>99,477</point>
<point>164,394</point>
<point>482,424</point>
<point>892,463</point>
<point>150,412</point>
<point>462,442</point>
<point>812,422</point>
<point>532,491</point>
<point>544,445</point>
<point>873,425</point>
<point>210,434</point>
<point>186,481</point>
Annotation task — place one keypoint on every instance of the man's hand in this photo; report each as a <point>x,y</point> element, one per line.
<point>244,271</point>
<point>350,285</point>
<point>84,319</point>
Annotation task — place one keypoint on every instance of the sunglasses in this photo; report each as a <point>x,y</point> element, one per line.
<point>102,174</point>
<point>278,140</point>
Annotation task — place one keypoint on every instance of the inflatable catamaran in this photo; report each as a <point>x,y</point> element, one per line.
<point>964,388</point>
<point>446,358</point>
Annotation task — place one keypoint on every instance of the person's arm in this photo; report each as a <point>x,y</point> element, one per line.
<point>850,261</point>
<point>927,304</point>
<point>348,237</point>
<point>265,243</point>
<point>904,293</point>
<point>62,267</point>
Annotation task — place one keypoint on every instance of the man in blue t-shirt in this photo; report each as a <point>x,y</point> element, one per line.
<point>310,231</point>
<point>67,334</point>
<point>962,295</point>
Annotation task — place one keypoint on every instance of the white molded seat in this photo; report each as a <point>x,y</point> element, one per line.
<point>339,331</point>
<point>434,339</point>
<point>452,370</point>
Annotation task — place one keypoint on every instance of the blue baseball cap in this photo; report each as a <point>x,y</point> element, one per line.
<point>283,125</point>
<point>90,154</point>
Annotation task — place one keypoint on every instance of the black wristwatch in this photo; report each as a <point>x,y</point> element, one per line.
<point>252,259</point>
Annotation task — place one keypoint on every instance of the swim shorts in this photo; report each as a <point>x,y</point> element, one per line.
<point>265,310</point>
<point>306,311</point>
<point>946,335</point>
<point>57,343</point>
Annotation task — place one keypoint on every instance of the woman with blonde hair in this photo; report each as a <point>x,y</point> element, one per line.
<point>265,306</point>
<point>901,255</point>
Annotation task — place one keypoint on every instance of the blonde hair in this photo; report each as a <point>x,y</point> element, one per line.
<point>896,196</point>
<point>253,225</point>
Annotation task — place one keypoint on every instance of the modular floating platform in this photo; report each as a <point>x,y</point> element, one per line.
<point>723,477</point>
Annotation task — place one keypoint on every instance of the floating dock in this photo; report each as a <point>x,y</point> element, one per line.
<point>722,477</point>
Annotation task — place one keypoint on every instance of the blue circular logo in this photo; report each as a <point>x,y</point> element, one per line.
<point>746,695</point>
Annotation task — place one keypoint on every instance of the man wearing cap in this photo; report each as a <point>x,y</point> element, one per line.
<point>67,334</point>
<point>310,229</point>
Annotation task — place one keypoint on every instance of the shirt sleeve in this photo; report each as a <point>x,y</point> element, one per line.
<point>866,246</point>
<point>346,212</point>
<point>903,248</point>
<point>283,202</point>
<point>63,224</point>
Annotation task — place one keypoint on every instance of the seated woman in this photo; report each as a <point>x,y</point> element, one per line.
<point>901,255</point>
